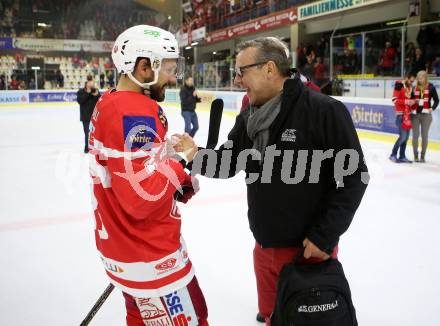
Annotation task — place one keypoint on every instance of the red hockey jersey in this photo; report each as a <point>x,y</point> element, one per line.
<point>134,181</point>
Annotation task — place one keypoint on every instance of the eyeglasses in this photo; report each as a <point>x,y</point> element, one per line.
<point>239,71</point>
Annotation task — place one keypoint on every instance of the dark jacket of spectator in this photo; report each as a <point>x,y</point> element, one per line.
<point>187,99</point>
<point>419,63</point>
<point>87,102</point>
<point>313,117</point>
<point>59,79</point>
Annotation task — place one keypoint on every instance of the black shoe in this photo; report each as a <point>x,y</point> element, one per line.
<point>404,160</point>
<point>260,318</point>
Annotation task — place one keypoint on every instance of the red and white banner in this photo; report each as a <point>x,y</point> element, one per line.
<point>286,17</point>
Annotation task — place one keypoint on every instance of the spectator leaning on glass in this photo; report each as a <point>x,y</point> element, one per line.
<point>403,105</point>
<point>87,98</point>
<point>427,100</point>
<point>188,100</point>
<point>295,199</point>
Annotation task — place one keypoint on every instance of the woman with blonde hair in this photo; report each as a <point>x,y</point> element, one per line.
<point>427,101</point>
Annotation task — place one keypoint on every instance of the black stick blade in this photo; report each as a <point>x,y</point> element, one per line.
<point>215,118</point>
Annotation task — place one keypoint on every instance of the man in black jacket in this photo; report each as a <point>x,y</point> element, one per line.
<point>87,98</point>
<point>188,100</point>
<point>305,170</point>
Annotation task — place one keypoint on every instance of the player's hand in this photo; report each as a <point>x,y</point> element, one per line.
<point>312,251</point>
<point>190,187</point>
<point>186,145</point>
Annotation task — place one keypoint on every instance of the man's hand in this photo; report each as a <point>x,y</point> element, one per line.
<point>186,145</point>
<point>190,187</point>
<point>312,251</point>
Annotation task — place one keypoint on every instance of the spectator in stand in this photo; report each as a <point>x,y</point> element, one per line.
<point>419,62</point>
<point>435,66</point>
<point>387,59</point>
<point>301,56</point>
<point>101,80</point>
<point>87,98</point>
<point>2,82</point>
<point>82,53</point>
<point>424,37</point>
<point>320,72</point>
<point>410,53</point>
<point>14,83</point>
<point>59,79</point>
<point>31,84</point>
<point>75,61</point>
<point>427,101</point>
<point>22,85</point>
<point>111,79</point>
<point>308,69</point>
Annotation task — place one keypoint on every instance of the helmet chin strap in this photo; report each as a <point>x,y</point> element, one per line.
<point>144,85</point>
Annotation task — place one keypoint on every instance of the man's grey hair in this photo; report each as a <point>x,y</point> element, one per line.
<point>269,49</point>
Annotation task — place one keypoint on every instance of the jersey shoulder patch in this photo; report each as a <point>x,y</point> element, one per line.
<point>162,118</point>
<point>139,131</point>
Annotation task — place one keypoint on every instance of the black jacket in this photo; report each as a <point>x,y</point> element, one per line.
<point>282,214</point>
<point>87,103</point>
<point>187,100</point>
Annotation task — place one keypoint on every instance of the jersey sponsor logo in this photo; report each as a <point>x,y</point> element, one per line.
<point>112,267</point>
<point>139,131</point>
<point>153,312</point>
<point>319,308</point>
<point>288,135</point>
<point>167,264</point>
<point>177,309</point>
<point>151,33</point>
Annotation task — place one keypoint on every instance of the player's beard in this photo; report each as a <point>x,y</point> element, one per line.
<point>157,92</point>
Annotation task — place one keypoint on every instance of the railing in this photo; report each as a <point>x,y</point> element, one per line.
<point>213,75</point>
<point>38,79</point>
<point>389,52</point>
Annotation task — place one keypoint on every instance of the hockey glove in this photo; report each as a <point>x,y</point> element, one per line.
<point>190,187</point>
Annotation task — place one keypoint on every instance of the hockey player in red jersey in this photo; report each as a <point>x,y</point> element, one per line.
<point>135,180</point>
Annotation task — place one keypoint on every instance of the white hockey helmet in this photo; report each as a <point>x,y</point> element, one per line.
<point>144,41</point>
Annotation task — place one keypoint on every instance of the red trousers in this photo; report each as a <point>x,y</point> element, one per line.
<point>184,307</point>
<point>268,263</point>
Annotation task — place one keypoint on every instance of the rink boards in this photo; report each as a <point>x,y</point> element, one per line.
<point>370,114</point>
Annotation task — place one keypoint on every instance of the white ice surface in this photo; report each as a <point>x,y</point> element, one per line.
<point>50,273</point>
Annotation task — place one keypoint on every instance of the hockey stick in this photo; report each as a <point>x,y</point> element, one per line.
<point>215,118</point>
<point>98,305</point>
